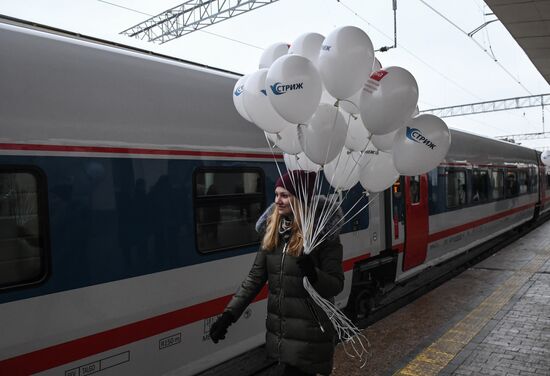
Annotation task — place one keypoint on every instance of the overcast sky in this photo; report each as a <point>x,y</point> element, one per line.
<point>449,66</point>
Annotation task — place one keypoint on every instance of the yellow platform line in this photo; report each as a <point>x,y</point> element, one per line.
<point>438,355</point>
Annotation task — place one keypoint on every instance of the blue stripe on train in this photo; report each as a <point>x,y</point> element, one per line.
<point>105,226</point>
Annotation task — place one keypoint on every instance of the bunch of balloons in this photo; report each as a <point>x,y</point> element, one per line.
<point>327,103</point>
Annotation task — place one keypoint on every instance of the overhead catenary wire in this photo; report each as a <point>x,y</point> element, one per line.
<point>478,44</point>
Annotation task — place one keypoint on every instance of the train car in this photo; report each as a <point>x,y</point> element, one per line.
<point>130,188</point>
<point>129,191</point>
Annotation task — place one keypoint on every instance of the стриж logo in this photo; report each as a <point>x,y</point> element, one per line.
<point>277,88</point>
<point>239,90</point>
<point>416,135</point>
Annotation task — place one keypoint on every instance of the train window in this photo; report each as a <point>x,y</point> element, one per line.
<point>533,180</point>
<point>456,188</point>
<point>497,184</point>
<point>414,189</point>
<point>480,185</point>
<point>22,259</point>
<point>511,184</point>
<point>228,203</point>
<point>523,182</point>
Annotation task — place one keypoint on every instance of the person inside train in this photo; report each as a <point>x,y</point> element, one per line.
<point>299,334</point>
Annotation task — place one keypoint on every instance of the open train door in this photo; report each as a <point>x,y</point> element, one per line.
<point>416,220</point>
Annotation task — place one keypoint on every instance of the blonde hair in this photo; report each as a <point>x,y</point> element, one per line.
<point>270,240</point>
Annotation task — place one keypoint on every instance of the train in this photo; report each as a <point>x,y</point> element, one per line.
<point>129,192</point>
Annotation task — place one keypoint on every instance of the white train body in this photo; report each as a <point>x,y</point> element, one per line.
<point>109,262</point>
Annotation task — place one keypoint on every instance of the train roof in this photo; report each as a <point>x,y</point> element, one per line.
<point>475,149</point>
<point>65,88</point>
<point>58,88</point>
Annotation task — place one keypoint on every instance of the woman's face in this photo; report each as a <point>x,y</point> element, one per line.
<point>282,201</point>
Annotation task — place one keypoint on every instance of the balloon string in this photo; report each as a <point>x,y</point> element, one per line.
<point>347,332</point>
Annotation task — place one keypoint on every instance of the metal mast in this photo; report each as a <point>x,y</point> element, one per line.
<point>540,100</point>
<point>190,16</point>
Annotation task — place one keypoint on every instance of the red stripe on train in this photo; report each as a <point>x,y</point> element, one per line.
<point>455,230</point>
<point>122,150</point>
<point>71,351</point>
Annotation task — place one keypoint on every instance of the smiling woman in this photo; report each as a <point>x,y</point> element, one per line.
<point>299,333</point>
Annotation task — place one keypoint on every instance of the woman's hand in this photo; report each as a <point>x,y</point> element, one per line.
<point>306,265</point>
<point>218,330</point>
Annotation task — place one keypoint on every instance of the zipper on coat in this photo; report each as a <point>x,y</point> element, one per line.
<point>281,302</point>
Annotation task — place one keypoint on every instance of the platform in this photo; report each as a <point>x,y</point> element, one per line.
<point>492,319</point>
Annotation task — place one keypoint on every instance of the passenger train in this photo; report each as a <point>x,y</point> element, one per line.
<point>129,191</point>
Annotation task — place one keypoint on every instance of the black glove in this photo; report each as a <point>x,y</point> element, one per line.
<point>218,330</point>
<point>306,265</point>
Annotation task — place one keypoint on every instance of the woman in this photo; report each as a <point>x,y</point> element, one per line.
<point>299,334</point>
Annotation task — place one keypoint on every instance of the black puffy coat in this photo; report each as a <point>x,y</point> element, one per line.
<point>298,331</point>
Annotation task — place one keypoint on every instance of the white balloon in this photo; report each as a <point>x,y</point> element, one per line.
<point>351,104</point>
<point>383,142</point>
<point>376,66</point>
<point>272,53</point>
<point>307,45</point>
<point>287,140</point>
<point>344,54</point>
<point>343,172</point>
<point>324,137</point>
<point>545,157</point>
<point>300,162</point>
<point>379,174</point>
<point>257,104</point>
<point>238,95</point>
<point>363,158</point>
<point>416,112</point>
<point>294,88</point>
<point>388,100</point>
<point>358,136</point>
<point>421,145</point>
<point>327,98</point>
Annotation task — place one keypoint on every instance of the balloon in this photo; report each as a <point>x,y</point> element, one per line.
<point>287,140</point>
<point>376,66</point>
<point>416,112</point>
<point>362,158</point>
<point>323,138</point>
<point>358,136</point>
<point>344,55</point>
<point>421,145</point>
<point>238,95</point>
<point>343,172</point>
<point>257,104</point>
<point>351,104</point>
<point>300,162</point>
<point>272,53</point>
<point>379,174</point>
<point>388,100</point>
<point>327,98</point>
<point>545,157</point>
<point>383,141</point>
<point>294,88</point>
<point>307,45</point>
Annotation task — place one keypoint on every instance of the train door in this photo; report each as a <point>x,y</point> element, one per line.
<point>542,185</point>
<point>416,221</point>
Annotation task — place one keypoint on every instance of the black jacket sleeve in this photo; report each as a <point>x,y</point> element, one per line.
<point>250,287</point>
